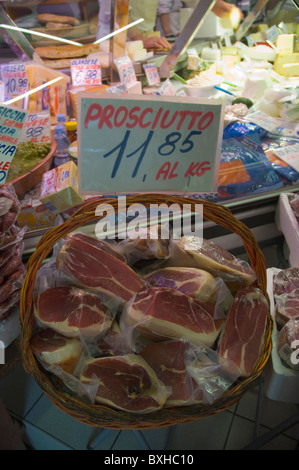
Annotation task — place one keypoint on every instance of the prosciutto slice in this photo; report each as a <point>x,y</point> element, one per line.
<point>160,313</point>
<point>125,383</point>
<point>244,330</point>
<point>72,312</point>
<point>96,269</point>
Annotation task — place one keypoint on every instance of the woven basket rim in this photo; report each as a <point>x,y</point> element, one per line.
<point>102,416</point>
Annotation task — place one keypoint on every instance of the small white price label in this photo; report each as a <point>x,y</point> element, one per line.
<point>167,88</point>
<point>152,74</point>
<point>14,77</point>
<point>86,72</point>
<point>125,70</point>
<point>290,155</point>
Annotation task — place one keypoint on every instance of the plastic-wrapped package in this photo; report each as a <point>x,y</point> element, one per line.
<point>195,374</point>
<point>287,306</point>
<point>146,244</point>
<point>125,383</point>
<point>243,334</point>
<point>288,343</point>
<point>244,168</point>
<point>241,128</point>
<point>72,312</point>
<point>54,349</point>
<point>294,203</point>
<point>194,282</point>
<point>204,254</point>
<point>269,144</point>
<point>286,280</point>
<point>157,314</point>
<point>9,208</point>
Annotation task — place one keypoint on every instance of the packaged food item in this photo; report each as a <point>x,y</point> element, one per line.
<point>59,188</point>
<point>71,129</point>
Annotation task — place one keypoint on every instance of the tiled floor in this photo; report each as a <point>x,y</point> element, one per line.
<point>48,428</point>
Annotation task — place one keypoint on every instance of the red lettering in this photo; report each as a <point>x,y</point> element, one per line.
<point>197,168</point>
<point>133,117</point>
<point>172,174</point>
<point>121,109</point>
<point>209,117</point>
<point>4,166</point>
<point>106,116</point>
<point>143,114</point>
<point>164,170</point>
<point>164,125</point>
<point>157,117</point>
<point>93,114</point>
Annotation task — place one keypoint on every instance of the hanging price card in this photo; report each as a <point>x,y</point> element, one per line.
<point>37,128</point>
<point>125,69</point>
<point>14,77</point>
<point>86,72</point>
<point>150,143</point>
<point>152,74</point>
<point>11,124</point>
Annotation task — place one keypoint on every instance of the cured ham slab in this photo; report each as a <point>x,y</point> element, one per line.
<point>125,383</point>
<point>101,244</point>
<point>286,280</point>
<point>53,349</point>
<point>194,282</point>
<point>244,330</point>
<point>168,361</point>
<point>72,312</point>
<point>160,313</point>
<point>205,254</point>
<point>98,270</point>
<point>287,343</point>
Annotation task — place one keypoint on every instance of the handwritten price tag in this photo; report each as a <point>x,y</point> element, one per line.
<point>14,77</point>
<point>37,128</point>
<point>152,74</point>
<point>11,124</point>
<point>125,70</point>
<point>86,72</point>
<point>150,143</point>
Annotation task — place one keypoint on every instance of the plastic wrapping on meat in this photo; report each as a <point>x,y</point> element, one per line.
<point>53,349</point>
<point>156,314</point>
<point>72,312</point>
<point>8,306</point>
<point>9,208</point>
<point>194,282</point>
<point>209,256</point>
<point>13,283</point>
<point>242,337</point>
<point>125,383</point>
<point>147,244</point>
<point>195,374</point>
<point>288,343</point>
<point>294,203</point>
<point>287,306</point>
<point>286,281</point>
<point>88,266</point>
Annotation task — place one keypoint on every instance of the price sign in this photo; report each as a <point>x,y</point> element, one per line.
<point>37,128</point>
<point>86,72</point>
<point>11,124</point>
<point>14,77</point>
<point>150,143</point>
<point>152,74</point>
<point>125,69</point>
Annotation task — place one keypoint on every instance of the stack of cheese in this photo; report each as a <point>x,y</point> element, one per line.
<point>287,60</point>
<point>135,50</point>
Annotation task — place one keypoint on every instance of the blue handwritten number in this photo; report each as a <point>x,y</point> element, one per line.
<point>189,142</point>
<point>121,147</point>
<point>170,141</point>
<point>143,149</point>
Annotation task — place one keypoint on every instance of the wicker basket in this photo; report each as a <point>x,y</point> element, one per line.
<point>103,416</point>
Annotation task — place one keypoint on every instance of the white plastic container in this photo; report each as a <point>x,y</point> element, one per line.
<point>282,383</point>
<point>287,223</point>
